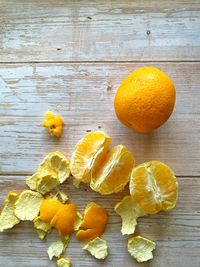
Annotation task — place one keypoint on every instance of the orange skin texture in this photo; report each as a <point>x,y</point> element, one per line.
<point>93,224</point>
<point>48,209</point>
<point>64,219</point>
<point>61,216</point>
<point>145,99</point>
<point>53,123</point>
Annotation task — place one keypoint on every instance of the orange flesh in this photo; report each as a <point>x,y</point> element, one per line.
<point>154,187</point>
<point>93,224</point>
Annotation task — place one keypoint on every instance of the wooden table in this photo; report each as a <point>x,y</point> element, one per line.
<point>70,57</point>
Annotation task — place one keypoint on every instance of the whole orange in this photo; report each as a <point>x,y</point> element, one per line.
<point>145,99</point>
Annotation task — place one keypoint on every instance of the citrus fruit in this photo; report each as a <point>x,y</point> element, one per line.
<point>88,155</point>
<point>153,187</point>
<point>113,174</point>
<point>145,99</point>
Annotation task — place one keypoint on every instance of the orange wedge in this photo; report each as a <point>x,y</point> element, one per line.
<point>153,187</point>
<point>88,155</point>
<point>114,173</point>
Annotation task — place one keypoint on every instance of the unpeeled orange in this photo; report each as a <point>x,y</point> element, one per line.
<point>145,99</point>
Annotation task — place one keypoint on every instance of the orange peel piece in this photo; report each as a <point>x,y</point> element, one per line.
<point>49,207</point>
<point>94,222</point>
<point>64,219</point>
<point>53,123</point>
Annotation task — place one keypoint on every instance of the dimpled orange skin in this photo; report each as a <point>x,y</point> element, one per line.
<point>64,219</point>
<point>145,99</point>
<point>49,208</point>
<point>93,224</point>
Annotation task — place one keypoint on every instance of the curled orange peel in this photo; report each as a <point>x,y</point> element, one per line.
<point>94,222</point>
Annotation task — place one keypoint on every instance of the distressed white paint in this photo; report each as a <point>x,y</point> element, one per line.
<point>83,94</point>
<point>99,30</point>
<point>62,30</point>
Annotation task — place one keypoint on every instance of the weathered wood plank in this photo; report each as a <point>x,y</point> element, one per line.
<point>83,94</point>
<point>176,233</point>
<point>99,30</point>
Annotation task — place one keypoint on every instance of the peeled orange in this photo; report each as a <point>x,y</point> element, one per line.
<point>153,186</point>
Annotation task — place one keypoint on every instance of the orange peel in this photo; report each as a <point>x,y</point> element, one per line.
<point>49,208</point>
<point>53,123</point>
<point>94,222</point>
<point>64,219</point>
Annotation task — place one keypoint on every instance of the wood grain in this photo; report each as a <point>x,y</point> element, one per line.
<point>83,94</point>
<point>99,30</point>
<point>176,233</point>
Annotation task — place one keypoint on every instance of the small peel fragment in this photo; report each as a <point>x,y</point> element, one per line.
<point>129,212</point>
<point>97,248</point>
<point>41,227</point>
<point>62,196</point>
<point>79,218</point>
<point>31,181</point>
<point>53,123</point>
<point>7,216</point>
<point>27,206</point>
<point>41,234</point>
<point>141,248</point>
<point>56,164</point>
<point>42,182</point>
<point>54,170</point>
<point>57,248</point>
<point>46,183</point>
<point>63,262</point>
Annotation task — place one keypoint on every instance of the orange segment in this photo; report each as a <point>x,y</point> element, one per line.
<point>153,186</point>
<point>64,219</point>
<point>114,172</point>
<point>94,222</point>
<point>88,155</point>
<point>48,209</point>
